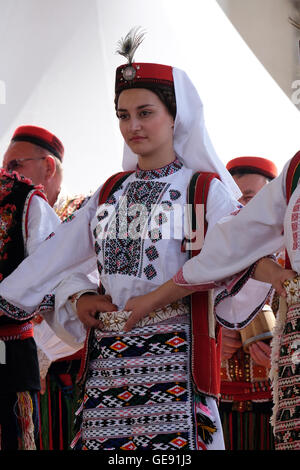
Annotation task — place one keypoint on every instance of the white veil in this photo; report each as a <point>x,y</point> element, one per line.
<point>191,141</point>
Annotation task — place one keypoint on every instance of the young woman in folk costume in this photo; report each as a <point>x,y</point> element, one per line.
<point>154,387</point>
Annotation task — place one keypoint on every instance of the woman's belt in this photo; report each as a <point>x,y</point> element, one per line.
<point>14,332</point>
<point>115,321</point>
<point>292,288</point>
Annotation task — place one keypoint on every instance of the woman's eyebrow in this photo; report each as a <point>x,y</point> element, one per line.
<point>139,107</point>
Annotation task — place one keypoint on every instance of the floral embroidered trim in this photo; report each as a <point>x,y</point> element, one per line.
<point>65,208</point>
<point>167,170</point>
<point>6,221</point>
<point>13,175</point>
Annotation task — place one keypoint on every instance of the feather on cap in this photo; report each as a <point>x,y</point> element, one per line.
<point>128,45</point>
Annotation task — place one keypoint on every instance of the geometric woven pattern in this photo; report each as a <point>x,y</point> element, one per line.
<point>137,393</point>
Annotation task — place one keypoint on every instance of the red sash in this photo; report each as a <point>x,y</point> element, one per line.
<point>13,332</point>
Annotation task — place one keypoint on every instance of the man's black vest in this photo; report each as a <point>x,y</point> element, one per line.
<point>21,372</point>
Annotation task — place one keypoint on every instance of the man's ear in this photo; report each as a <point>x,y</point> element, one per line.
<point>50,166</point>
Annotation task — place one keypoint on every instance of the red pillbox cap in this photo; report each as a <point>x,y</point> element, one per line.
<point>260,165</point>
<point>40,136</point>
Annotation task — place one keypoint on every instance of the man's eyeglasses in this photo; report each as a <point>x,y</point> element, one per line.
<point>13,165</point>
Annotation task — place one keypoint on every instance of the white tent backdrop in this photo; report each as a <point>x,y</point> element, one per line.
<point>58,60</point>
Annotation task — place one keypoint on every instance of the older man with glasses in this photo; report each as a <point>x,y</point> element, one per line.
<point>36,154</point>
<point>30,182</point>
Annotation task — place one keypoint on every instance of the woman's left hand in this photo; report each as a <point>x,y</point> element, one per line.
<point>261,354</point>
<point>279,278</point>
<point>267,270</point>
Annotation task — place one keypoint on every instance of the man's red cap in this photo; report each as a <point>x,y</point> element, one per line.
<point>39,136</point>
<point>259,165</point>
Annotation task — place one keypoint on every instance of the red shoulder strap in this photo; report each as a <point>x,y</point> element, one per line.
<point>206,350</point>
<point>112,184</point>
<point>34,192</point>
<point>201,191</point>
<point>197,194</point>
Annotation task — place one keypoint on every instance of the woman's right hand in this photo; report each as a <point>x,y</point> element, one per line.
<point>88,305</point>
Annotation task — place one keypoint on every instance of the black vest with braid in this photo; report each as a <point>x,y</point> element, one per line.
<point>21,371</point>
<point>14,193</point>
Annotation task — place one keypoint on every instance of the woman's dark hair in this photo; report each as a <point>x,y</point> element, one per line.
<point>164,93</point>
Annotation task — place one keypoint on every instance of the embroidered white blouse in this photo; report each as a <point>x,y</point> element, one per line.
<point>128,266</point>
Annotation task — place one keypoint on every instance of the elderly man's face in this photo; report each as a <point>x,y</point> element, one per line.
<point>27,159</point>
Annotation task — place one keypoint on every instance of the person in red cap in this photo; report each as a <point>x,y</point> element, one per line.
<point>251,174</point>
<point>37,154</point>
<point>31,173</point>
<point>27,219</point>
<point>246,398</point>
